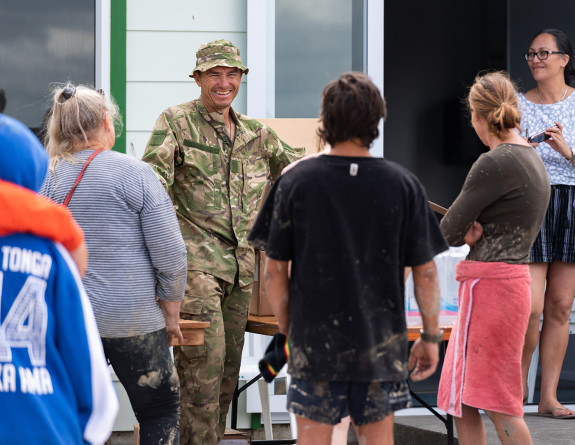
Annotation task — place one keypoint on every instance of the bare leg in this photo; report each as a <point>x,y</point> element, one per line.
<point>380,433</point>
<point>555,331</point>
<point>511,430</point>
<point>339,434</point>
<point>313,433</point>
<point>470,427</point>
<point>538,277</point>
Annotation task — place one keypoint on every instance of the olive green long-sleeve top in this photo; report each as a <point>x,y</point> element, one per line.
<point>507,191</point>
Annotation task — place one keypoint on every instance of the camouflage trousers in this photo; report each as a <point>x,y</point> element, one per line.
<point>209,373</point>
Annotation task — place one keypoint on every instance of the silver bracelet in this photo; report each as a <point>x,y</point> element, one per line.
<point>572,157</point>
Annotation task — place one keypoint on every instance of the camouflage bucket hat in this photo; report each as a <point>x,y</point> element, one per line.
<point>218,53</point>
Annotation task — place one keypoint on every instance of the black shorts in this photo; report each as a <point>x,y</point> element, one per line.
<point>556,240</point>
<point>329,402</point>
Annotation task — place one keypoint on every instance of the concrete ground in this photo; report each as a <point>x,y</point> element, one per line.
<point>428,430</point>
<point>121,438</point>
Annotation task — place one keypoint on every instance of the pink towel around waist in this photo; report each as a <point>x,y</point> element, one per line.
<point>482,366</point>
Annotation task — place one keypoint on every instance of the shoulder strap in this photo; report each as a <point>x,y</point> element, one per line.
<point>79,178</point>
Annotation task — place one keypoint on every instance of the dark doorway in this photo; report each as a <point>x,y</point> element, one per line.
<point>433,51</point>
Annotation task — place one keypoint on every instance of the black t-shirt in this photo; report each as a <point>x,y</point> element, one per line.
<point>350,226</point>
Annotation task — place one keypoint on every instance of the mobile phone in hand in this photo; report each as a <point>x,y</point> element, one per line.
<point>539,137</point>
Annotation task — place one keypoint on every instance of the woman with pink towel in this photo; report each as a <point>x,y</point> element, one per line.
<point>498,213</point>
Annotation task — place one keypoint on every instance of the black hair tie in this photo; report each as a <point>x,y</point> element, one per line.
<point>68,92</point>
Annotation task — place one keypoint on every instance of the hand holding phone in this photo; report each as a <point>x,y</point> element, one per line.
<point>539,137</point>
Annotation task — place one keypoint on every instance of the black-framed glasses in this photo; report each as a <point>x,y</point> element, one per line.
<point>542,54</point>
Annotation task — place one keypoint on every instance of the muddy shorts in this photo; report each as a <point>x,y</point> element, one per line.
<point>329,402</point>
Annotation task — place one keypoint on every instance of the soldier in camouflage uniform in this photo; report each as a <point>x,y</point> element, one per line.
<point>214,164</point>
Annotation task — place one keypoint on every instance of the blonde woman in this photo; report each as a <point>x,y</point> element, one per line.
<point>137,259</point>
<point>498,214</point>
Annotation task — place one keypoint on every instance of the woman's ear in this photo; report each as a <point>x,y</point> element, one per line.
<point>108,123</point>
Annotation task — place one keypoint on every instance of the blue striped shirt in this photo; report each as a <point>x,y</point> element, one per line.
<point>136,250</point>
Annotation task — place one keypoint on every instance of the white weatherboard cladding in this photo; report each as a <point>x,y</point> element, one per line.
<point>163,56</point>
<point>161,43</point>
<point>187,15</point>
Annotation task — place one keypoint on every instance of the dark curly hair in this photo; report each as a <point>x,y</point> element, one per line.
<point>351,108</point>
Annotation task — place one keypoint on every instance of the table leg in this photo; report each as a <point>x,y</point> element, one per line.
<point>447,421</point>
<point>234,419</point>
<point>236,396</point>
<point>449,424</point>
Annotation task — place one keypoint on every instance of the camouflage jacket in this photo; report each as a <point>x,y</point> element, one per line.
<point>216,184</point>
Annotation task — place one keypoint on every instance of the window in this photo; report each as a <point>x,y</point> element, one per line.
<point>296,47</point>
<point>314,44</point>
<point>42,44</point>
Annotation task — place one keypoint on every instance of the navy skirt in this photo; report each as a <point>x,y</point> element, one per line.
<point>556,240</point>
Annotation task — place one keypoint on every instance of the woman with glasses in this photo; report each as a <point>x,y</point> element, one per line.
<point>137,258</point>
<point>550,108</point>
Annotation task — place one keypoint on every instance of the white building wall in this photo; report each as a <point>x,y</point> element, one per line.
<point>162,39</point>
<point>103,23</point>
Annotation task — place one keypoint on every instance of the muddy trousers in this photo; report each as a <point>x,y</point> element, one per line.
<point>145,368</point>
<point>209,372</point>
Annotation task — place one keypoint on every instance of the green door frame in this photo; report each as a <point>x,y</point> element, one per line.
<point>118,31</point>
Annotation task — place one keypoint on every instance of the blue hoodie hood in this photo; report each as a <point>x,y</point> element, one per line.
<point>23,160</point>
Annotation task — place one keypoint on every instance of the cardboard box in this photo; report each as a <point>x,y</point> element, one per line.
<point>296,132</point>
<point>259,304</point>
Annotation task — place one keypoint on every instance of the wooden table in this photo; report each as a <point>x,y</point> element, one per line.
<point>268,325</point>
<point>193,332</point>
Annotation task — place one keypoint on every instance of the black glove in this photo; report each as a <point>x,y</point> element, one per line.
<point>276,356</point>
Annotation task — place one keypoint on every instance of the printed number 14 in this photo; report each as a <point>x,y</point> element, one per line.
<point>25,323</point>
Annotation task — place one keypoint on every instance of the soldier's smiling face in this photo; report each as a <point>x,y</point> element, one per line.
<point>220,86</point>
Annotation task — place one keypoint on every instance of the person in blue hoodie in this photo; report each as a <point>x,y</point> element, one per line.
<point>55,386</point>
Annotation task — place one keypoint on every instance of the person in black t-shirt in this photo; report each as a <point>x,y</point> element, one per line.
<point>350,224</point>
